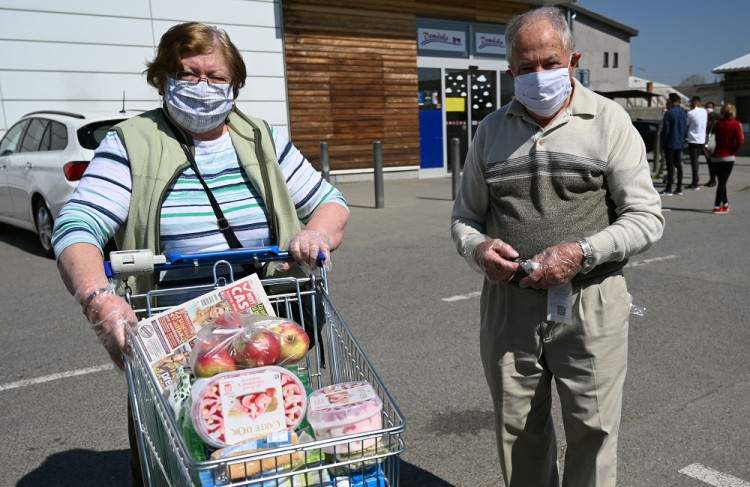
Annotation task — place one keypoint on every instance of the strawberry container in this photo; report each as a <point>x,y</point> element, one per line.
<point>237,406</point>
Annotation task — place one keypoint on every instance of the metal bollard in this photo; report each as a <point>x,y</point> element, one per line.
<point>456,164</point>
<point>325,164</point>
<point>377,154</point>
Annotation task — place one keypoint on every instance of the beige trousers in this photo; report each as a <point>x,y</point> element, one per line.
<point>522,353</point>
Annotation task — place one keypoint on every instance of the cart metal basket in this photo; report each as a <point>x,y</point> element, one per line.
<point>165,456</point>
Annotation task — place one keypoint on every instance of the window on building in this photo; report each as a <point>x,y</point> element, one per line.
<point>606,59</point>
<point>582,75</point>
<point>615,59</point>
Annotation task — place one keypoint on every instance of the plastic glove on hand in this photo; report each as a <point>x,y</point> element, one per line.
<point>497,259</point>
<point>556,266</point>
<point>108,314</point>
<point>304,248</point>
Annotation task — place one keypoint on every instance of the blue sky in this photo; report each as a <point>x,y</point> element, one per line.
<point>679,38</point>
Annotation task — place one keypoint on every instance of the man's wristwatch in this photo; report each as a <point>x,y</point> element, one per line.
<point>588,255</point>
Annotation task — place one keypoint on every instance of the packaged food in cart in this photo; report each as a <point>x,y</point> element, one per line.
<point>169,439</point>
<point>167,338</point>
<point>242,405</point>
<point>345,409</point>
<point>238,341</point>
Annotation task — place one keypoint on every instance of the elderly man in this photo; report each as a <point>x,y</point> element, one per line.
<point>556,195</point>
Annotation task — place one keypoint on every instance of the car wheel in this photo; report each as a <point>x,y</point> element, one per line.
<point>44,225</point>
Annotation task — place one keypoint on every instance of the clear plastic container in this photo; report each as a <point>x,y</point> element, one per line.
<point>345,409</point>
<point>241,405</point>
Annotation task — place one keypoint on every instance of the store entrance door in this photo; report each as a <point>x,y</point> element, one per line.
<point>470,95</point>
<point>454,97</point>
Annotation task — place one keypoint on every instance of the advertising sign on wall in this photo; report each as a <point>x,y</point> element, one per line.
<point>489,43</point>
<point>441,40</point>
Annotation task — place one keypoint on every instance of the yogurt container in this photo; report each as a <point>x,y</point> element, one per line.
<point>345,409</point>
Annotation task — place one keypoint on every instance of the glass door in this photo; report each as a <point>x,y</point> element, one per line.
<point>470,95</point>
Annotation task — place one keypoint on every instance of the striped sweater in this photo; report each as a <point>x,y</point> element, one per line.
<point>100,204</point>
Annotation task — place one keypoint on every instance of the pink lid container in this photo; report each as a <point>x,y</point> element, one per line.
<point>345,409</point>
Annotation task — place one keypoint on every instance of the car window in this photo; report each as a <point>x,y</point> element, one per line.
<point>58,136</point>
<point>33,138</point>
<point>12,138</point>
<point>91,135</point>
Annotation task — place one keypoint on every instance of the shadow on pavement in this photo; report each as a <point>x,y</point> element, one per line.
<point>414,476</point>
<point>81,468</point>
<point>24,240</point>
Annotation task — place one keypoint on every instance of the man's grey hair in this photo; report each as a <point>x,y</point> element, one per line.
<point>553,15</point>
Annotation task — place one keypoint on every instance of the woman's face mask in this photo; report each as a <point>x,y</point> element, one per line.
<point>198,107</point>
<point>543,93</point>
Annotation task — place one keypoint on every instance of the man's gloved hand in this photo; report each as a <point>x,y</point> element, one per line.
<point>496,259</point>
<point>304,248</point>
<point>108,314</point>
<point>554,266</point>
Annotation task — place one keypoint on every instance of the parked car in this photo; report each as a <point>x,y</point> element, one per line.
<point>649,130</point>
<point>42,158</point>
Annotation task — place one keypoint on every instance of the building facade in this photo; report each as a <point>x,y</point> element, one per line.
<point>411,74</point>
<point>85,56</point>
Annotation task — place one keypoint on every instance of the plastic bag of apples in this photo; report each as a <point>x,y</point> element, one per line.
<point>241,341</point>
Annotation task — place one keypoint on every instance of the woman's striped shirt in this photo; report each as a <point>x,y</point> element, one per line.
<point>100,204</point>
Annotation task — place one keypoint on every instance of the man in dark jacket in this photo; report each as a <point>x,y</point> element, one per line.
<point>672,137</point>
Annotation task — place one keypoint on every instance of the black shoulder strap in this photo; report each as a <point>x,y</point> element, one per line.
<point>224,225</point>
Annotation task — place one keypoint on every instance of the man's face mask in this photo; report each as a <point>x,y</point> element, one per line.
<point>198,107</point>
<point>543,93</point>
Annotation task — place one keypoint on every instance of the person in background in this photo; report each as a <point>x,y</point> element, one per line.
<point>143,187</point>
<point>729,139</point>
<point>559,179</point>
<point>673,136</point>
<point>710,132</point>
<point>697,119</point>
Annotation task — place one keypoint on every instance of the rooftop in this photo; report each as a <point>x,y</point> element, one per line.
<point>740,64</point>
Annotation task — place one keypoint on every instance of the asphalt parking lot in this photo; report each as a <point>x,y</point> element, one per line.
<point>412,304</point>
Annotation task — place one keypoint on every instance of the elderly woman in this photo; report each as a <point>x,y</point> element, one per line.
<point>151,182</point>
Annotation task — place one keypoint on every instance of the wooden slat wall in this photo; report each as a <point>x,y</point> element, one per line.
<point>352,74</point>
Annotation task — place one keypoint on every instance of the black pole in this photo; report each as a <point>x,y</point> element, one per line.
<point>456,164</point>
<point>325,165</point>
<point>377,154</point>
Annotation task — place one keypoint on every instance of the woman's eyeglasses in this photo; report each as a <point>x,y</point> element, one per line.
<point>191,77</point>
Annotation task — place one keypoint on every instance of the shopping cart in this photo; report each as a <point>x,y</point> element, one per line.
<point>369,459</point>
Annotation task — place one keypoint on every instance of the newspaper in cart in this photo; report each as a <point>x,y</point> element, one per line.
<point>167,338</point>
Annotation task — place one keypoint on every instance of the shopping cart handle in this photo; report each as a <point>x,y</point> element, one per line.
<point>234,256</point>
<point>263,254</point>
<point>133,262</point>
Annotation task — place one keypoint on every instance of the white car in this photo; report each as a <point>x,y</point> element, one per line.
<point>42,158</point>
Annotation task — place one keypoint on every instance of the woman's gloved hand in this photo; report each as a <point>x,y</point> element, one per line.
<point>554,267</point>
<point>108,314</point>
<point>497,259</point>
<point>304,248</point>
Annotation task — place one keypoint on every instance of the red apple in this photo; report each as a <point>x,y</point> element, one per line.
<point>214,362</point>
<point>257,348</point>
<point>294,342</point>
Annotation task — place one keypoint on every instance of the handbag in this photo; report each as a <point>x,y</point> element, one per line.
<point>710,146</point>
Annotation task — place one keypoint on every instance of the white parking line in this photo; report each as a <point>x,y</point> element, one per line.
<point>651,261</point>
<point>48,378</point>
<point>712,477</point>
<point>461,297</point>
